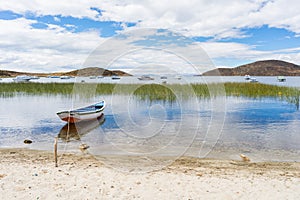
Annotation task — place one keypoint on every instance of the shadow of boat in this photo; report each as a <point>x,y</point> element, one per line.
<point>74,131</point>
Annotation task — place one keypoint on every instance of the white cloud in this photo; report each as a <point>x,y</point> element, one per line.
<point>27,49</point>
<point>23,47</point>
<point>229,49</point>
<point>48,49</point>
<point>150,51</point>
<point>75,8</point>
<point>56,19</point>
<point>216,18</point>
<point>280,14</point>
<point>216,50</point>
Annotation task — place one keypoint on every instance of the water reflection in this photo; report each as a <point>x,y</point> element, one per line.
<point>261,128</point>
<point>74,131</point>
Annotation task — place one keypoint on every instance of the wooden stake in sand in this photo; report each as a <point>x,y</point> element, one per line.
<point>55,151</point>
<point>244,158</point>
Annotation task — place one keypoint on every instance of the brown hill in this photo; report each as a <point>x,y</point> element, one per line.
<point>7,74</point>
<point>95,71</point>
<point>90,71</point>
<point>259,68</point>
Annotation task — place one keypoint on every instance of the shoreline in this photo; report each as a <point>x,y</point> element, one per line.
<point>32,174</point>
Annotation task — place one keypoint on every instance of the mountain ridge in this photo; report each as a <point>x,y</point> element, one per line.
<point>259,68</point>
<point>89,71</point>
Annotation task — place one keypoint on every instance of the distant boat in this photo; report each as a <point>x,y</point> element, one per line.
<point>53,76</point>
<point>65,77</point>
<point>253,80</point>
<point>83,114</point>
<point>115,77</point>
<point>145,78</point>
<point>35,77</point>
<point>100,76</point>
<point>177,77</point>
<point>281,78</point>
<point>93,77</point>
<point>247,77</point>
<point>22,78</point>
<point>163,77</point>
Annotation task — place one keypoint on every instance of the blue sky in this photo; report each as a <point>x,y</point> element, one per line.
<point>59,36</point>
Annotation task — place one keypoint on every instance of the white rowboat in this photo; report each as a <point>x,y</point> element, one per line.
<point>83,114</point>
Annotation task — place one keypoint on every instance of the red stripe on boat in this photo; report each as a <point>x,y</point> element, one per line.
<point>71,119</point>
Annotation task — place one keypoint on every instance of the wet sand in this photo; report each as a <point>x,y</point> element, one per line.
<point>30,174</point>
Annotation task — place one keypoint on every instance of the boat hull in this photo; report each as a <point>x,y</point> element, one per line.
<point>22,78</point>
<point>75,117</point>
<point>74,131</point>
<point>145,78</point>
<point>82,114</point>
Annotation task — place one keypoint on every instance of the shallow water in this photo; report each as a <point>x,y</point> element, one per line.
<point>265,129</point>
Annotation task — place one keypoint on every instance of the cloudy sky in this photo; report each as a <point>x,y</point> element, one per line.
<point>56,35</point>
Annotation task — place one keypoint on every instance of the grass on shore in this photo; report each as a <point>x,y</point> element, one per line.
<point>155,91</point>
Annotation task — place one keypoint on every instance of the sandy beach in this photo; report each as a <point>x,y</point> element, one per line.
<point>30,174</point>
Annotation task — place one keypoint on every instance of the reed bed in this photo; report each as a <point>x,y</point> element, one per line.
<point>166,92</point>
<point>259,90</point>
<point>35,88</point>
<point>155,92</point>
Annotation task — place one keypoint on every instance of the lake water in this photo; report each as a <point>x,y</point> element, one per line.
<point>291,81</point>
<point>264,129</point>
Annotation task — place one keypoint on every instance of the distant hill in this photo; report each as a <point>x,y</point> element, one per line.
<point>95,71</point>
<point>90,71</point>
<point>259,68</point>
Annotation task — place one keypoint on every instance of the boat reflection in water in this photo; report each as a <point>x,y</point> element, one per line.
<point>74,131</point>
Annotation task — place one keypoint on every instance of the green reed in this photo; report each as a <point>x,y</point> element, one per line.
<point>8,89</point>
<point>155,92</point>
<point>166,92</point>
<point>258,90</point>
